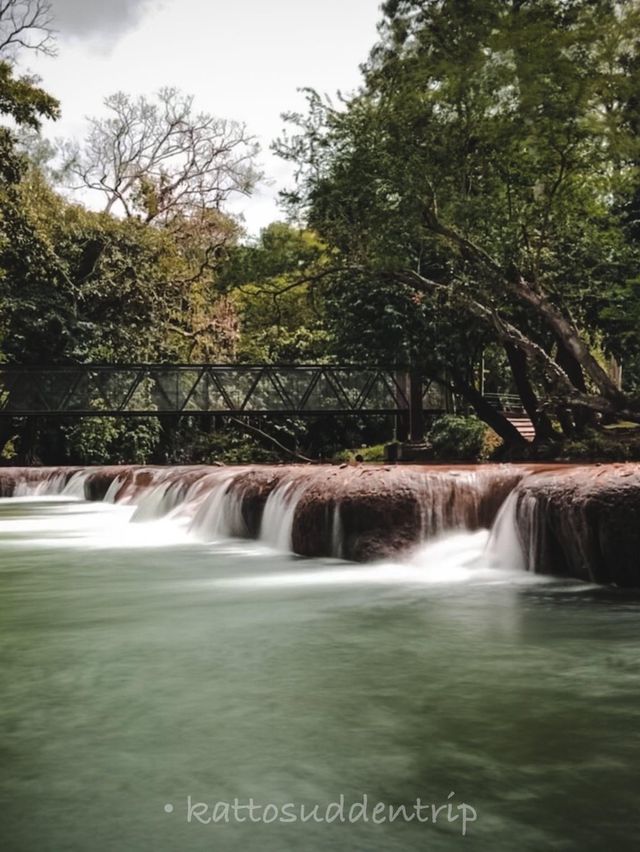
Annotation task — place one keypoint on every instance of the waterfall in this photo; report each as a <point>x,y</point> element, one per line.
<point>52,482</point>
<point>354,513</point>
<point>219,514</point>
<point>75,486</point>
<point>276,528</point>
<point>576,521</point>
<point>154,504</point>
<point>337,532</point>
<point>504,543</point>
<point>112,490</point>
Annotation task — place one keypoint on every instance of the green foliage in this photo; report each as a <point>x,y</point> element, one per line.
<point>457,438</point>
<point>363,454</point>
<point>227,445</point>
<point>27,104</point>
<point>281,315</point>
<point>81,286</point>
<point>491,143</point>
<point>90,440</point>
<point>605,445</point>
<point>107,440</point>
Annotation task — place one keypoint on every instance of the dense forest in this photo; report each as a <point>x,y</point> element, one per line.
<point>473,211</point>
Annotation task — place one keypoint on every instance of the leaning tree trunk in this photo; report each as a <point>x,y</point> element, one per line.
<point>531,293</point>
<point>570,340</point>
<point>581,416</point>
<point>491,416</point>
<point>519,370</point>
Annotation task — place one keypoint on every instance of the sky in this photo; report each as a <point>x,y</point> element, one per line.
<point>241,59</point>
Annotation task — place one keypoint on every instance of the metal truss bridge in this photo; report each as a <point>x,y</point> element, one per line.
<point>144,390</point>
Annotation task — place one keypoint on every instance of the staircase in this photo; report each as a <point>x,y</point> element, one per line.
<point>511,407</point>
<point>523,424</point>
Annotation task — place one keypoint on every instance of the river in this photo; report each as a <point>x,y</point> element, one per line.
<point>151,680</point>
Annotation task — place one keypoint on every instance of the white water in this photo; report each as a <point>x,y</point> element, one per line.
<point>219,515</point>
<point>276,528</point>
<point>112,490</point>
<point>71,523</point>
<point>170,510</point>
<point>337,532</point>
<point>41,487</point>
<point>504,543</point>
<point>75,485</point>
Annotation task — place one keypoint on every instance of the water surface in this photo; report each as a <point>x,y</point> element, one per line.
<point>141,667</point>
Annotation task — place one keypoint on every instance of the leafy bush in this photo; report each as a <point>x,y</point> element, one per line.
<point>457,438</point>
<point>94,440</point>
<point>605,445</point>
<point>492,445</point>
<point>194,445</point>
<point>366,454</point>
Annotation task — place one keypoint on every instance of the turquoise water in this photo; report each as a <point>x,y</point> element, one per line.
<point>141,668</point>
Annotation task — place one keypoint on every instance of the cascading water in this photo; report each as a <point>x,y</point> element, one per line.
<point>220,514</point>
<point>112,490</point>
<point>51,483</point>
<point>504,544</point>
<point>337,532</point>
<point>354,513</point>
<point>277,519</point>
<point>75,487</point>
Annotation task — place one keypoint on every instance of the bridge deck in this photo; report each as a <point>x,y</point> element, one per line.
<point>231,389</point>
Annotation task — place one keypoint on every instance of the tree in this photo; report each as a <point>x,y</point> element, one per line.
<point>26,24</point>
<point>483,163</point>
<point>281,316</point>
<point>162,161</point>
<point>27,104</point>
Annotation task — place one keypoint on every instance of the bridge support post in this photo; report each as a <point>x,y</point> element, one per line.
<point>416,413</point>
<point>402,417</point>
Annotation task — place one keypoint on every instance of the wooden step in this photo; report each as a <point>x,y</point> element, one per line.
<point>524,426</point>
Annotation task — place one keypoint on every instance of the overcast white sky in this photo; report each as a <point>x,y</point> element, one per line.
<point>242,59</point>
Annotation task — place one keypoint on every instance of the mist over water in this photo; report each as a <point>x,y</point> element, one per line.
<point>145,662</point>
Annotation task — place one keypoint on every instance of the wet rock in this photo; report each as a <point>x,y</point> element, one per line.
<point>377,513</point>
<point>582,523</point>
<point>254,487</point>
<point>7,482</point>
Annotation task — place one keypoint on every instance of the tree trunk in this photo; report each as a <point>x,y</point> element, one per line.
<point>533,295</point>
<point>519,371</point>
<point>28,441</point>
<point>581,416</point>
<point>561,387</point>
<point>491,416</point>
<point>569,338</point>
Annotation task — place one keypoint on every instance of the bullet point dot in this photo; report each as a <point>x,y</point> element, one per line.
<point>168,808</point>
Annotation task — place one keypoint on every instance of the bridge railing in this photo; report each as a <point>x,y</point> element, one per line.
<point>90,390</point>
<point>505,401</point>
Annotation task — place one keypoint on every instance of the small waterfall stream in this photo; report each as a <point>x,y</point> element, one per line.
<point>276,528</point>
<point>504,542</point>
<point>356,513</point>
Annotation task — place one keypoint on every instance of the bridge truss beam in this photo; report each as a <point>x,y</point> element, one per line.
<point>145,390</point>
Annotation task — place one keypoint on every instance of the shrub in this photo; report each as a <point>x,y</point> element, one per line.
<point>604,445</point>
<point>374,453</point>
<point>457,438</point>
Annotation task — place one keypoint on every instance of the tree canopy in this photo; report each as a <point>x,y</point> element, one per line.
<point>487,162</point>
<point>471,212</point>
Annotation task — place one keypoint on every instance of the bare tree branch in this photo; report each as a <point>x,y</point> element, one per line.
<point>159,159</point>
<point>28,25</point>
